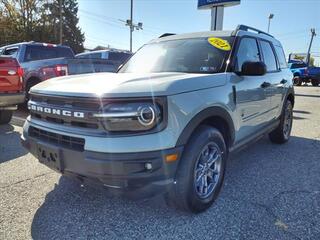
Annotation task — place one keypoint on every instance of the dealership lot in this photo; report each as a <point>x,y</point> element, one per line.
<point>270,192</point>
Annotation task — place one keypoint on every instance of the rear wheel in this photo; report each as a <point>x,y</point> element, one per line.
<point>282,133</point>
<point>5,116</point>
<point>201,171</point>
<point>297,81</point>
<point>315,82</point>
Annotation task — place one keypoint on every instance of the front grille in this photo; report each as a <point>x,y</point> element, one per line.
<point>64,141</point>
<point>88,106</point>
<point>66,122</point>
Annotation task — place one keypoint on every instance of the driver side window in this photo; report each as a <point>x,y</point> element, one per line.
<point>248,51</point>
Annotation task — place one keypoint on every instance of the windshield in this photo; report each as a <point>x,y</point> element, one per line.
<point>184,55</point>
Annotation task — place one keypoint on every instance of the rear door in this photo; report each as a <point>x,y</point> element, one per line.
<point>275,76</point>
<point>252,101</point>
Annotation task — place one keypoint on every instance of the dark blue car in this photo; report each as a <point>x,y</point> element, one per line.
<point>304,74</point>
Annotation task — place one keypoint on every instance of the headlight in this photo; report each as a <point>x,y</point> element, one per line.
<point>135,116</point>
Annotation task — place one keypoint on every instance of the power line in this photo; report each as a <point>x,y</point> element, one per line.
<point>100,20</point>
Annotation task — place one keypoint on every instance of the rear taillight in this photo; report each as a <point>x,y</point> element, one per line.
<point>55,71</point>
<point>20,72</point>
<point>61,70</point>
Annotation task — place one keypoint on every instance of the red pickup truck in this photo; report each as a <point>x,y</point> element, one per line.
<point>11,88</point>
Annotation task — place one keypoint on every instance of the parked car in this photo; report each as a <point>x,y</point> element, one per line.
<point>168,120</point>
<point>42,61</point>
<point>11,88</point>
<point>304,74</point>
<point>118,57</point>
<point>314,74</point>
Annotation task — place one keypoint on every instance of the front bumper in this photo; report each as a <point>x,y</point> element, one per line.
<point>11,99</point>
<point>122,173</point>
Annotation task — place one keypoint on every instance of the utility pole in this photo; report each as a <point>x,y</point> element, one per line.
<point>313,34</point>
<point>269,23</point>
<point>131,25</point>
<point>60,21</point>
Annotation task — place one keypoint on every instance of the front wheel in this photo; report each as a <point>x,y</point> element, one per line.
<point>282,133</point>
<point>201,171</point>
<point>5,116</point>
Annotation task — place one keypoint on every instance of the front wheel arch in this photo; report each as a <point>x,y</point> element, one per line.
<point>216,117</point>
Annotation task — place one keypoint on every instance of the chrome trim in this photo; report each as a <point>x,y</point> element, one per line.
<point>116,115</point>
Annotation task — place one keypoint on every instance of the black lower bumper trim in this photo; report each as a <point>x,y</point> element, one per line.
<point>143,172</point>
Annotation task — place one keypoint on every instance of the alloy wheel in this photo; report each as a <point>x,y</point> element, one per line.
<point>207,170</point>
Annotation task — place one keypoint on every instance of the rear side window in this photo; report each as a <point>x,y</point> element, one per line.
<point>91,56</point>
<point>34,53</point>
<point>268,56</point>
<point>118,56</point>
<point>281,57</point>
<point>248,52</point>
<point>12,51</point>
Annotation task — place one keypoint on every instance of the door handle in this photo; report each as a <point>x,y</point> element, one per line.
<point>265,84</point>
<point>283,81</point>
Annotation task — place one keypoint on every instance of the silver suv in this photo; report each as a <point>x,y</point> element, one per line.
<point>167,121</point>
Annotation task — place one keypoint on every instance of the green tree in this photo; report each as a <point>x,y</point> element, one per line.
<point>312,61</point>
<point>19,19</point>
<point>38,20</point>
<point>72,34</point>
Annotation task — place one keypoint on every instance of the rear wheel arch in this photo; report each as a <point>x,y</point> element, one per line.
<point>216,117</point>
<point>32,81</point>
<point>296,74</point>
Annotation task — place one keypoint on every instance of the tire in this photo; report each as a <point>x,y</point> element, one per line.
<point>5,116</point>
<point>282,133</point>
<point>315,82</point>
<point>297,81</point>
<point>188,194</point>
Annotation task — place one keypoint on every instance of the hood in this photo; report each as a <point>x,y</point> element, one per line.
<point>128,84</point>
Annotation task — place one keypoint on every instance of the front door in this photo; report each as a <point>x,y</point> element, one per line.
<point>253,99</point>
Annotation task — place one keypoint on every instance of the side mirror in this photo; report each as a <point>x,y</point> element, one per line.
<point>253,69</point>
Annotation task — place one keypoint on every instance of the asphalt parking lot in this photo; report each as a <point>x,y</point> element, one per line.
<point>270,192</point>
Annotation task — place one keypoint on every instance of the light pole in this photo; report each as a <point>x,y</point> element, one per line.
<point>313,34</point>
<point>270,17</point>
<point>131,25</point>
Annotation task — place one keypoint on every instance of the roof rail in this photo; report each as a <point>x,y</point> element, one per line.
<point>247,28</point>
<point>167,35</point>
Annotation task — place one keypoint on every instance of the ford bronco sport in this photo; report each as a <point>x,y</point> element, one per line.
<point>167,121</point>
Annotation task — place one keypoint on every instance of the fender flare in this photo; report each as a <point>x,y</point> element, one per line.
<point>200,117</point>
<point>290,91</point>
